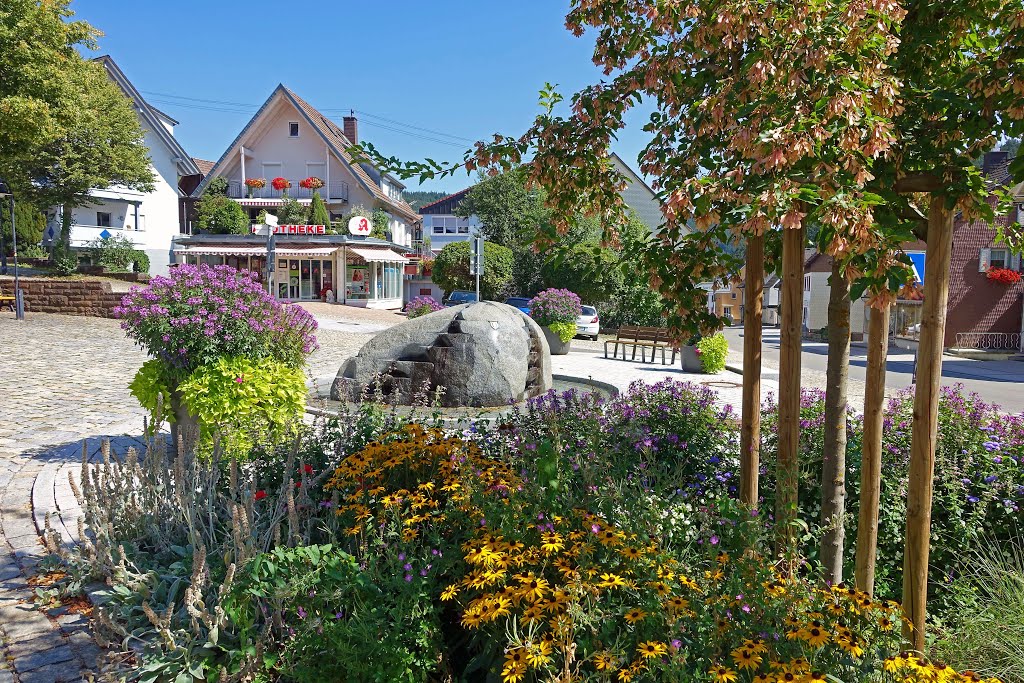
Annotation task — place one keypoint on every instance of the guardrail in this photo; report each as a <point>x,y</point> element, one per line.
<point>336,189</point>
<point>985,341</point>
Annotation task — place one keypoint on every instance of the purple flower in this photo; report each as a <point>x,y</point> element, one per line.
<point>301,612</point>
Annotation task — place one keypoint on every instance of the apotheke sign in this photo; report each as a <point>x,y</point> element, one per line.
<point>359,225</point>
<point>297,229</point>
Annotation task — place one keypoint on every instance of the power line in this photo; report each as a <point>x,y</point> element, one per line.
<point>226,106</point>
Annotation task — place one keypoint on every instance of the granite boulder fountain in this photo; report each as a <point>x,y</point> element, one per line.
<point>482,354</point>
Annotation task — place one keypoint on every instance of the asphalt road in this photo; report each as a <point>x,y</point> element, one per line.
<point>999,382</point>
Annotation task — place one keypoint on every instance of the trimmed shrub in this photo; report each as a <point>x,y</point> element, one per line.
<point>713,351</point>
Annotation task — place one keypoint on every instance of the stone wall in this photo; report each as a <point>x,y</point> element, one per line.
<point>70,297</point>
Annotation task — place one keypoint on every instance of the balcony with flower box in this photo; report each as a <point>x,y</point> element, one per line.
<point>335,190</point>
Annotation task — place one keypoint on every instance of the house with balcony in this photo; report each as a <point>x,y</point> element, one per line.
<point>151,220</point>
<point>289,139</point>
<point>442,227</point>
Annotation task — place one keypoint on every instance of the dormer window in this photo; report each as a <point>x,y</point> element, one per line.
<point>293,129</point>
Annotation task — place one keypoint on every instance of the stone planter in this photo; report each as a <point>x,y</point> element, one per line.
<point>185,425</point>
<point>691,359</point>
<point>555,343</point>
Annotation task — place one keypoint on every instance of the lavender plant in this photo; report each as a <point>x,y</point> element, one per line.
<point>422,305</point>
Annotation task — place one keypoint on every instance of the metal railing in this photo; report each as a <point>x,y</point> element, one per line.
<point>336,189</point>
<point>995,341</point>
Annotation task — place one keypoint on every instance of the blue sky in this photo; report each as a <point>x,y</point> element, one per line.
<point>461,70</point>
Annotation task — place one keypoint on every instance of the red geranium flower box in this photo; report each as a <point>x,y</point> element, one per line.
<point>311,183</point>
<point>1003,275</point>
<point>280,183</point>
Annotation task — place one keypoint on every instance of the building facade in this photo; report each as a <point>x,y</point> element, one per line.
<point>442,227</point>
<point>151,220</point>
<point>346,269</point>
<point>817,271</point>
<point>289,139</point>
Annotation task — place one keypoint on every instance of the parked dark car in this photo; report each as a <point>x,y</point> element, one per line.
<point>460,296</point>
<point>520,302</point>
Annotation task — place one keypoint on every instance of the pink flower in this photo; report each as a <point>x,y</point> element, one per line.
<point>240,379</point>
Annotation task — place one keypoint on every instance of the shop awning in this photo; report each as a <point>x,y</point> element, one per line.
<point>377,255</point>
<point>298,251</point>
<point>225,250</point>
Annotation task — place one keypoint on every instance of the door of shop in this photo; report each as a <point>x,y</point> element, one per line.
<point>309,278</point>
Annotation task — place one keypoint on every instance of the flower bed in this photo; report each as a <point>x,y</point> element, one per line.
<point>581,535</point>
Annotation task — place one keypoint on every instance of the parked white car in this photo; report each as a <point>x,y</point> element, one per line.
<point>589,323</point>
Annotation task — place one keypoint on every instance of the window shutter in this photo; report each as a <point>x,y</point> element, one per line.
<point>1015,262</point>
<point>984,259</point>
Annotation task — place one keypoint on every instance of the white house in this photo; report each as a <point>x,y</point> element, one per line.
<point>149,219</point>
<point>287,138</point>
<point>442,227</point>
<point>817,270</point>
<point>639,196</point>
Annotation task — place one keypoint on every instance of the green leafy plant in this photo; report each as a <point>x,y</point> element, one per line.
<point>242,402</point>
<point>291,211</point>
<point>217,214</point>
<point>451,270</point>
<point>65,262</point>
<point>318,212</point>
<point>115,253</point>
<point>565,331</point>
<point>140,261</point>
<point>713,351</point>
<point>152,387</point>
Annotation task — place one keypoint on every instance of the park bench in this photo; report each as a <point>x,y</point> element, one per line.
<point>642,338</point>
<point>6,300</point>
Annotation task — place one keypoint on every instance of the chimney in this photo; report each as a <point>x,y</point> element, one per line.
<point>351,127</point>
<point>992,160</point>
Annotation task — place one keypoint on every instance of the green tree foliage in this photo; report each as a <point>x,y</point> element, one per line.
<point>451,270</point>
<point>381,220</point>
<point>29,220</point>
<point>318,212</point>
<point>222,216</point>
<point>507,208</point>
<point>217,185</point>
<point>67,128</point>
<point>591,271</point>
<point>418,198</point>
<point>291,211</point>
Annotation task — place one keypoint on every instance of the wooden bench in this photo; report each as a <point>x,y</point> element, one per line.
<point>7,301</point>
<point>642,338</point>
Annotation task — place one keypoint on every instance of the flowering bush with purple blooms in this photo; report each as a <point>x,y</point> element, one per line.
<point>422,305</point>
<point>978,491</point>
<point>201,313</point>
<point>555,306</point>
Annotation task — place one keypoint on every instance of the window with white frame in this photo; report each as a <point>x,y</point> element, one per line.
<point>103,219</point>
<point>449,225</point>
<point>807,283</point>
<point>996,258</point>
<point>1000,258</point>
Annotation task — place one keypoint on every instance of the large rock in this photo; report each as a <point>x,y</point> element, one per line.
<point>482,354</point>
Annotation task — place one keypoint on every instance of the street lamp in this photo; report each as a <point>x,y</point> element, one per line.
<point>19,301</point>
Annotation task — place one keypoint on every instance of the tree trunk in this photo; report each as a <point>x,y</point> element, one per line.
<point>833,469</point>
<point>65,227</point>
<point>871,450</point>
<point>926,418</point>
<point>750,426</point>
<point>787,463</point>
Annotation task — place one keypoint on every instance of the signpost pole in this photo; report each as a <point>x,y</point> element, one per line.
<point>477,262</point>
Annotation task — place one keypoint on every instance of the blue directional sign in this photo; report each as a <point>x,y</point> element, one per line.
<point>105,234</point>
<point>917,260</point>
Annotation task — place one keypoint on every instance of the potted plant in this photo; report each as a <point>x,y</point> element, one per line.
<point>281,185</point>
<point>254,184</point>
<point>705,354</point>
<point>312,183</point>
<point>557,312</point>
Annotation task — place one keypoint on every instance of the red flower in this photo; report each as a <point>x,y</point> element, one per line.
<point>280,183</point>
<point>259,495</point>
<point>1005,276</point>
<point>311,183</point>
<point>308,469</point>
<point>256,183</point>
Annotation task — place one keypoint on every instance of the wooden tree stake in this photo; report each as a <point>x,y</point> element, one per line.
<point>871,449</point>
<point>926,419</point>
<point>787,463</point>
<point>750,427</point>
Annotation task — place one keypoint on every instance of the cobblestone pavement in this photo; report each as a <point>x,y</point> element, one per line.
<point>64,379</point>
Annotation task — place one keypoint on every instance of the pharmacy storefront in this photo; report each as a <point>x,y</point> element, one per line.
<point>356,271</point>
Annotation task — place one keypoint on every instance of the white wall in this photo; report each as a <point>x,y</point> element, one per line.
<point>440,241</point>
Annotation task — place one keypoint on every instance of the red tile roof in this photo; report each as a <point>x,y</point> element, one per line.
<point>444,199</point>
<point>204,165</point>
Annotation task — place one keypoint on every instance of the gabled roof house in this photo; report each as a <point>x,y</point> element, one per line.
<point>288,138</point>
<point>151,220</point>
